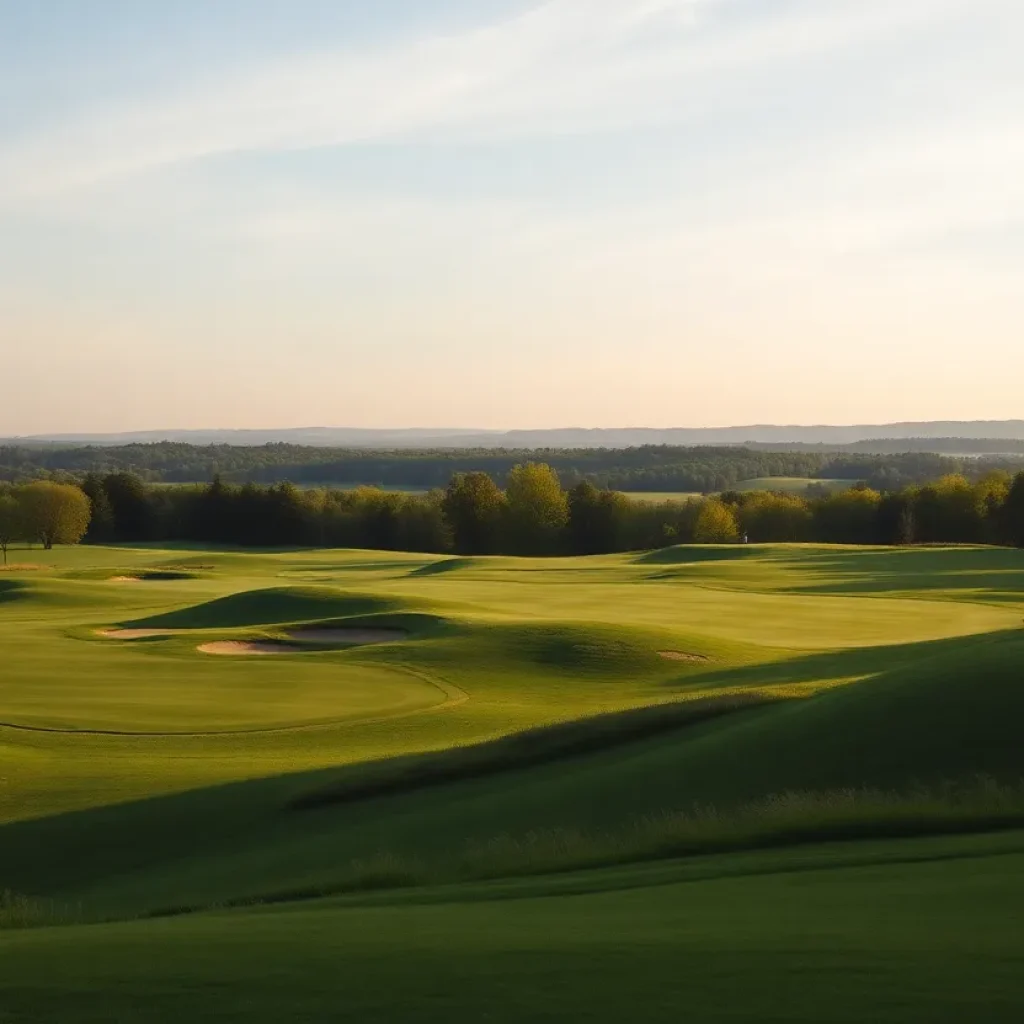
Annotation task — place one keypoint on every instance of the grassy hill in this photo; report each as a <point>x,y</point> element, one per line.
<point>590,783</point>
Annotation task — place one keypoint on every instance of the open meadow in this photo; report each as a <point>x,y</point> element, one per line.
<point>747,782</point>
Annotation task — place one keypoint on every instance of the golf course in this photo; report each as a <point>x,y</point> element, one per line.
<point>771,782</point>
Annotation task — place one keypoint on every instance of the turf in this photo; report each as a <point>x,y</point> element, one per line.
<point>771,942</point>
<point>509,710</point>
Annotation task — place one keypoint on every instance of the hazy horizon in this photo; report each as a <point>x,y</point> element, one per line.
<point>510,213</point>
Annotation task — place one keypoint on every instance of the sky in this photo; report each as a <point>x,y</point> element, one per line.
<point>509,213</point>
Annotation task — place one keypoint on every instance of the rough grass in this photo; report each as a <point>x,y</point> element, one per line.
<point>891,933</point>
<point>779,820</point>
<point>20,911</point>
<point>525,749</point>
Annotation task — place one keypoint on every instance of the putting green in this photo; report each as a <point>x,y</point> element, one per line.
<point>154,685</point>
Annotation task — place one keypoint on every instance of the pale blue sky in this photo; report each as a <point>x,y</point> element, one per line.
<point>505,213</point>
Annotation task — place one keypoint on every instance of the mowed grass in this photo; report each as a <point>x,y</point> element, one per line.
<point>910,931</point>
<point>527,722</point>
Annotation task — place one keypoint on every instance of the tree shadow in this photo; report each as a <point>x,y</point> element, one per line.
<point>689,554</point>
<point>854,663</point>
<point>996,574</point>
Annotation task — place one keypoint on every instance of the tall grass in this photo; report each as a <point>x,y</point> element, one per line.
<point>20,911</point>
<point>783,819</point>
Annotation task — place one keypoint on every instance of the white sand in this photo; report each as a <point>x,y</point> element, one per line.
<point>244,647</point>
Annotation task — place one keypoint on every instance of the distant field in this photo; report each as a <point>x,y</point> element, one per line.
<point>334,822</point>
<point>658,496</point>
<point>778,483</point>
<point>791,483</point>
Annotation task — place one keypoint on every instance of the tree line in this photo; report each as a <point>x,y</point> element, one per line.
<point>648,468</point>
<point>533,514</point>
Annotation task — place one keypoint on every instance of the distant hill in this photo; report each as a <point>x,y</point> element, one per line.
<point>934,435</point>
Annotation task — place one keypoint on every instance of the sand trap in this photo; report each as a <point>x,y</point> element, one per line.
<point>154,576</point>
<point>697,659</point>
<point>136,634</point>
<point>346,636</point>
<point>244,647</point>
<point>300,637</point>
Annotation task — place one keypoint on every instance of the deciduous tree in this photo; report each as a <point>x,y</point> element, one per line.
<point>537,509</point>
<point>11,522</point>
<point>596,520</point>
<point>54,513</point>
<point>1013,512</point>
<point>772,518</point>
<point>473,506</point>
<point>716,524</point>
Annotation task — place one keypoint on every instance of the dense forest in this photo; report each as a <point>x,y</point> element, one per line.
<point>533,514</point>
<point>651,468</point>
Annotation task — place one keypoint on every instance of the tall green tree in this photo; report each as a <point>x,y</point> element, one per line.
<point>537,509</point>
<point>991,492</point>
<point>848,517</point>
<point>133,512</point>
<point>101,525</point>
<point>12,522</point>
<point>54,513</point>
<point>894,520</point>
<point>214,512</point>
<point>773,518</point>
<point>1013,512</point>
<point>716,524</point>
<point>596,520</point>
<point>473,507</point>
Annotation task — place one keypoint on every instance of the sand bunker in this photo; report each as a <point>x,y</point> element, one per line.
<point>136,634</point>
<point>154,576</point>
<point>346,636</point>
<point>697,659</point>
<point>299,638</point>
<point>245,647</point>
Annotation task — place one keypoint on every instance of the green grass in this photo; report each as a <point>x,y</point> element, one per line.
<point>657,497</point>
<point>528,724</point>
<point>921,930</point>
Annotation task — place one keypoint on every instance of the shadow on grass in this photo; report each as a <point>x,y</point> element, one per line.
<point>11,590</point>
<point>270,606</point>
<point>787,819</point>
<point>855,663</point>
<point>689,554</point>
<point>943,709</point>
<point>995,574</point>
<point>525,749</point>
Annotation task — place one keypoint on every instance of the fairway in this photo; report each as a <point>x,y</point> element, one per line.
<point>352,800</point>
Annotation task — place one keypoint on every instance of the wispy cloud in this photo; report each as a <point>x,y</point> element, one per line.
<point>563,66</point>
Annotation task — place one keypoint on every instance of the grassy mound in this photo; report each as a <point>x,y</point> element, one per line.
<point>11,590</point>
<point>687,554</point>
<point>270,606</point>
<point>522,750</point>
<point>447,565</point>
